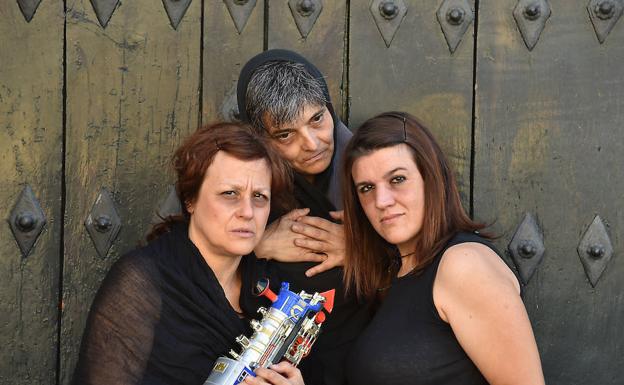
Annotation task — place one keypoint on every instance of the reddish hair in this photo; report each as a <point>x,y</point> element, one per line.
<point>370,260</point>
<point>192,159</point>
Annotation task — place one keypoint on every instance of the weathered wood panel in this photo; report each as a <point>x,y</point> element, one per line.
<point>416,74</point>
<point>31,150</point>
<point>225,52</point>
<point>549,142</point>
<point>324,45</point>
<point>132,94</point>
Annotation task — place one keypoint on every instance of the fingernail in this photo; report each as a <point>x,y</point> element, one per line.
<point>296,227</point>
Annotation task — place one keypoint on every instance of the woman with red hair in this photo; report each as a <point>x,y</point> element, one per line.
<point>168,310</point>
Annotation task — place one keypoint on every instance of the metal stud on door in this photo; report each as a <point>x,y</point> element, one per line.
<point>454,17</point>
<point>26,220</point>
<point>531,16</point>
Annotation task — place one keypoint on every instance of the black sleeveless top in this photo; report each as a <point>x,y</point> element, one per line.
<point>407,342</point>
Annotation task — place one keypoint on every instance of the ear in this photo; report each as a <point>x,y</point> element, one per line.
<point>190,207</point>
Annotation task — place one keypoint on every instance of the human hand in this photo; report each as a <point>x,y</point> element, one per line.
<point>281,374</point>
<point>278,241</point>
<point>322,236</point>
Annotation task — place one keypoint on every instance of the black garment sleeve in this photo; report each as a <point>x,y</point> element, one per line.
<point>119,333</point>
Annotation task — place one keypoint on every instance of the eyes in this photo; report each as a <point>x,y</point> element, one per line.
<point>258,197</point>
<point>285,136</point>
<point>394,181</point>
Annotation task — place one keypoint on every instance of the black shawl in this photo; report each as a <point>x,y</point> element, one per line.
<point>161,317</point>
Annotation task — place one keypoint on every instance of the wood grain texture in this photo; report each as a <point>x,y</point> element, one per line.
<point>549,141</point>
<point>31,150</point>
<point>225,53</point>
<point>324,46</point>
<point>132,95</point>
<point>416,74</point>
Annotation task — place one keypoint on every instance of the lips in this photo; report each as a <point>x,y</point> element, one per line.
<point>244,233</point>
<point>319,155</point>
<point>389,218</point>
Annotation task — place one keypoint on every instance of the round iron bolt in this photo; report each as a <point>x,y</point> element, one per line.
<point>532,11</point>
<point>26,221</point>
<point>596,251</point>
<point>388,9</point>
<point>605,9</point>
<point>103,223</point>
<point>455,16</point>
<point>527,249</point>
<point>306,7</point>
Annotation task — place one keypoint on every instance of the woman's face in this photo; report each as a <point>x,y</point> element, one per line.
<point>392,194</point>
<point>232,207</point>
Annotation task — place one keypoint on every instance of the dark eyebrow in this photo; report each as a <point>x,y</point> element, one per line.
<point>393,171</point>
<point>319,112</point>
<point>386,175</point>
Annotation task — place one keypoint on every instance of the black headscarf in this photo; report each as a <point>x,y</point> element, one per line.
<point>324,365</point>
<point>324,194</point>
<point>161,317</point>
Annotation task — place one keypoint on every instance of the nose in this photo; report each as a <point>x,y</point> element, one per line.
<point>310,141</point>
<point>383,197</point>
<point>245,209</point>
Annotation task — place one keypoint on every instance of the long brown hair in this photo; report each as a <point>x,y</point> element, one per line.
<point>369,258</point>
<point>192,159</point>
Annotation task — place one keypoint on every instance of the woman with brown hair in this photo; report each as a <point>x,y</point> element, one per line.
<point>166,311</point>
<point>450,310</point>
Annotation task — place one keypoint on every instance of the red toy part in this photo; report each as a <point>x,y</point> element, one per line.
<point>329,300</point>
<point>320,317</point>
<point>263,288</point>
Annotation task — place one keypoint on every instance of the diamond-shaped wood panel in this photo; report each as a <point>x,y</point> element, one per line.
<point>104,10</point>
<point>603,15</point>
<point>229,106</point>
<point>527,247</point>
<point>388,15</point>
<point>28,8</point>
<point>454,17</point>
<point>175,10</point>
<point>240,10</point>
<point>531,16</point>
<point>595,250</point>
<point>103,223</point>
<point>26,220</point>
<point>305,13</point>
<point>170,205</point>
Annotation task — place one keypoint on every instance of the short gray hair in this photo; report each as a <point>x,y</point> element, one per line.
<point>279,90</point>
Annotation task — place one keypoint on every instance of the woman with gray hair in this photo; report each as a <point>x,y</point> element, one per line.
<point>285,97</point>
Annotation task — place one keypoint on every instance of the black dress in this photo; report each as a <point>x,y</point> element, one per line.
<point>325,364</point>
<point>407,342</point>
<point>161,317</point>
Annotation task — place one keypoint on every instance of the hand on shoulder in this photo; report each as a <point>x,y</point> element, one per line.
<point>278,241</point>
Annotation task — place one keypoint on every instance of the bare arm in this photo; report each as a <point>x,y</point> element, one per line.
<point>477,294</point>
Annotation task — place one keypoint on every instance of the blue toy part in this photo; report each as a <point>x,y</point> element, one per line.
<point>293,305</point>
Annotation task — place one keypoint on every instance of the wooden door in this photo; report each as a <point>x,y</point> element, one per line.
<point>549,145</point>
<point>132,86</point>
<point>31,192</point>
<point>96,94</point>
<point>400,60</point>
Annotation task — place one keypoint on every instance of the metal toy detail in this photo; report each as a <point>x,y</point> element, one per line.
<point>286,331</point>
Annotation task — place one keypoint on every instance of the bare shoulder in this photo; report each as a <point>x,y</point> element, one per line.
<point>469,272</point>
<point>473,261</point>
